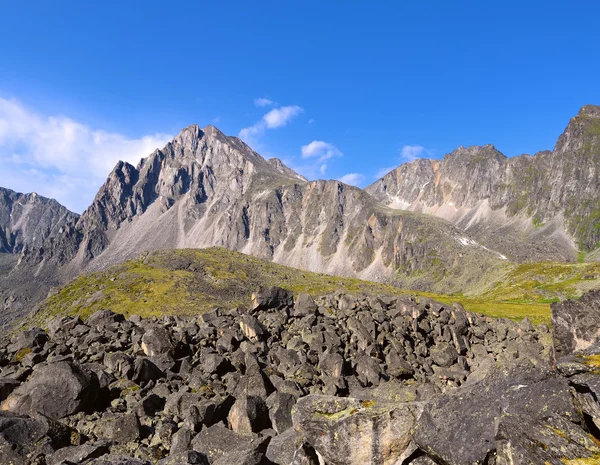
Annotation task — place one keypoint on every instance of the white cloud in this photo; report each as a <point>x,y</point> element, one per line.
<point>353,179</point>
<point>279,117</point>
<point>320,150</point>
<point>276,118</point>
<point>263,102</point>
<point>412,152</point>
<point>311,121</point>
<point>61,158</point>
<point>382,172</point>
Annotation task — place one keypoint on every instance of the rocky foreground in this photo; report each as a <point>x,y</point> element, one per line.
<point>339,380</point>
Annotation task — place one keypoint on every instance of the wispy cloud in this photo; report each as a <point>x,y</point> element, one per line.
<point>276,118</point>
<point>353,179</point>
<point>412,152</point>
<point>263,102</point>
<point>59,157</point>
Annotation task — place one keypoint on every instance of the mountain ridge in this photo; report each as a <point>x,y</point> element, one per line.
<point>552,195</point>
<point>449,225</point>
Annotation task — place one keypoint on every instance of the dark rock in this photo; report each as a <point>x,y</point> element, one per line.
<point>78,454</point>
<point>22,436</point>
<point>304,306</point>
<point>444,355</point>
<point>368,370</point>
<point>145,370</point>
<point>120,428</point>
<point>103,318</point>
<point>217,441</point>
<point>280,407</point>
<point>550,440</point>
<point>282,447</point>
<point>181,441</point>
<point>459,427</point>
<point>272,297</point>
<point>117,460</point>
<point>248,415</point>
<point>251,328</point>
<point>157,341</point>
<point>55,390</point>
<point>576,324</point>
<point>7,385</point>
<point>188,457</point>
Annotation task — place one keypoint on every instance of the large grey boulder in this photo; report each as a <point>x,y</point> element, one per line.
<point>22,436</point>
<point>55,390</point>
<point>576,324</point>
<point>460,426</point>
<point>352,432</point>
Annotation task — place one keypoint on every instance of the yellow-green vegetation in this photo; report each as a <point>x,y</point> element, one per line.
<point>527,290</point>
<point>20,355</point>
<point>592,361</point>
<point>593,460</point>
<point>184,282</point>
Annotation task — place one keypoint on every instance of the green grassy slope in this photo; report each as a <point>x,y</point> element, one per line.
<point>184,282</point>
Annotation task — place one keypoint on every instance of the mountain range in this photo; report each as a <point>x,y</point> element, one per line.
<point>450,225</point>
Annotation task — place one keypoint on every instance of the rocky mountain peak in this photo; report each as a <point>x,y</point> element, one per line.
<point>189,136</point>
<point>591,111</point>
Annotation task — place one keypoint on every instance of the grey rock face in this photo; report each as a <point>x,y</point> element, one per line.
<point>29,220</point>
<point>460,427</point>
<point>206,189</point>
<point>550,198</point>
<point>576,324</point>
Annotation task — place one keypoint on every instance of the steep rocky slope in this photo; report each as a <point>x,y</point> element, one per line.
<point>530,208</point>
<point>205,189</point>
<point>28,220</point>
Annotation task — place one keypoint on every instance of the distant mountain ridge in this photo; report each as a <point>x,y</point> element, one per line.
<point>29,220</point>
<point>542,207</point>
<point>451,225</point>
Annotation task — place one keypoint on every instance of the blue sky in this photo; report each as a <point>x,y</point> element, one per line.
<point>356,86</point>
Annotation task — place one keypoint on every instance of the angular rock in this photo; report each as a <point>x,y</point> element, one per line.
<point>353,432</point>
<point>521,440</point>
<point>459,427</point>
<point>21,436</point>
<point>248,415</point>
<point>145,370</point>
<point>217,441</point>
<point>576,324</point>
<point>272,297</point>
<point>304,306</point>
<point>78,454</point>
<point>55,390</point>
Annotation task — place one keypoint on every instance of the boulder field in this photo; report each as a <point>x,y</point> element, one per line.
<point>335,380</point>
